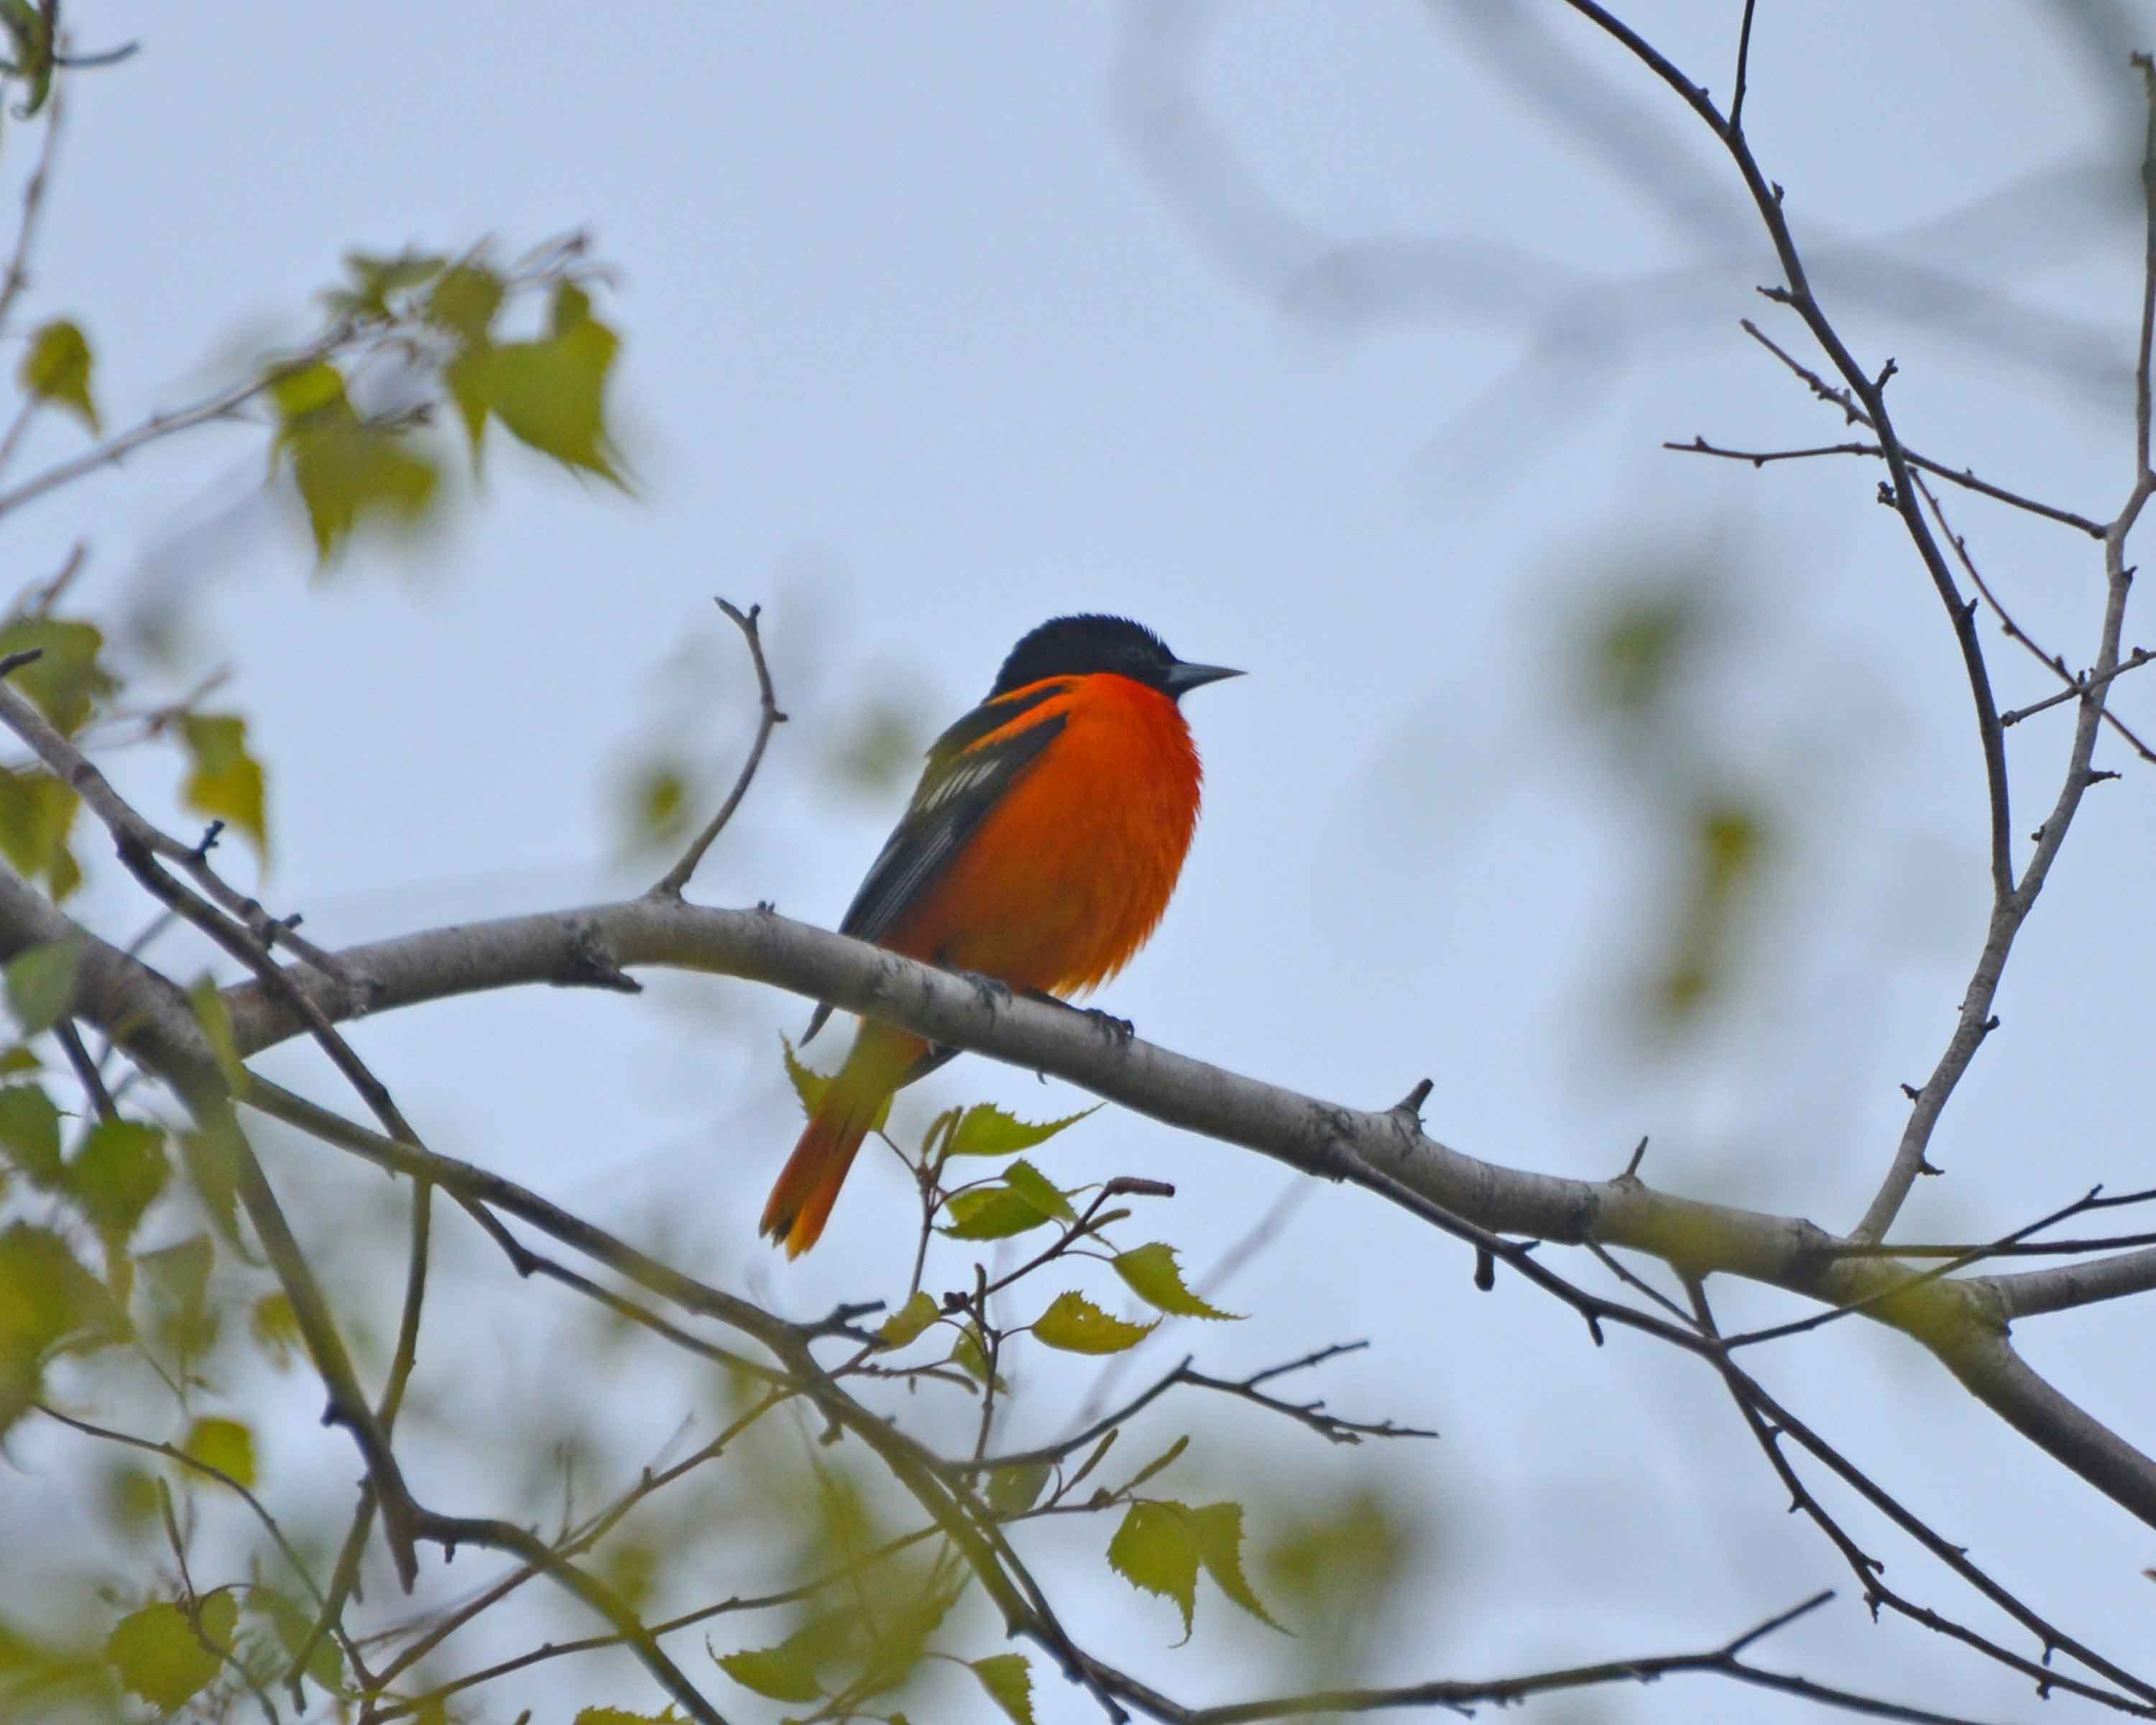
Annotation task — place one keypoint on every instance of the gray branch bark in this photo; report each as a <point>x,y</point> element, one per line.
<point>1961,1319</point>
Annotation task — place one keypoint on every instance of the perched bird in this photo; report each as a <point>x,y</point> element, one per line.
<point>1039,850</point>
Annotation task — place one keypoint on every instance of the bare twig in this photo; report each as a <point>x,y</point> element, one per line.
<point>1864,387</point>
<point>1462,1696</point>
<point>33,204</point>
<point>208,1471</point>
<point>2133,661</point>
<point>225,404</point>
<point>1743,67</point>
<point>1963,477</point>
<point>1768,1423</point>
<point>2080,1206</point>
<point>768,718</point>
<point>345,1574</point>
<point>85,1069</point>
<point>2051,662</point>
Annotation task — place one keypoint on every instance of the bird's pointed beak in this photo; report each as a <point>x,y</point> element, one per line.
<point>1182,678</point>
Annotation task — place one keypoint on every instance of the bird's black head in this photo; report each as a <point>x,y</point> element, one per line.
<point>1081,646</point>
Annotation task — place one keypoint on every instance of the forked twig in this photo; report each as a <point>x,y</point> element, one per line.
<point>768,719</point>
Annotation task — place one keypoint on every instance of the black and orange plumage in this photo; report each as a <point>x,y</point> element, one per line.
<point>1040,848</point>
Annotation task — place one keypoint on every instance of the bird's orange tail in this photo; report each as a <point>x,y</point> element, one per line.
<point>808,1184</point>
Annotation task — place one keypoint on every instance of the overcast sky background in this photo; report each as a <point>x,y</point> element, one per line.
<point>924,346</point>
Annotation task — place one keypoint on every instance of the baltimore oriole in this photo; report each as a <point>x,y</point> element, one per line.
<point>1039,850</point>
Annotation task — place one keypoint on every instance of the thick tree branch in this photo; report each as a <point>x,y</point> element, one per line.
<point>2031,1293</point>
<point>1382,1151</point>
<point>1372,1147</point>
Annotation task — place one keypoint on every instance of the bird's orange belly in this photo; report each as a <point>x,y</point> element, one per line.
<point>1066,877</point>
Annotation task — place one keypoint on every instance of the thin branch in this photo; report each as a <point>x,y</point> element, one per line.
<point>345,1574</point>
<point>768,719</point>
<point>686,1620</point>
<point>85,1069</point>
<point>195,1464</point>
<point>2051,662</point>
<point>2133,661</point>
<point>1864,401</point>
<point>1743,67</point>
<point>2080,1206</point>
<point>1768,1424</point>
<point>2146,66</point>
<point>1462,1696</point>
<point>1866,387</point>
<point>225,404</point>
<point>2008,913</point>
<point>1963,477</point>
<point>33,204</point>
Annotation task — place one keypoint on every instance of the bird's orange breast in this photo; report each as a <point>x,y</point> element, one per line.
<point>1071,871</point>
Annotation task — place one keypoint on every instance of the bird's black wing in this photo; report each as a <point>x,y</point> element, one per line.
<point>970,768</point>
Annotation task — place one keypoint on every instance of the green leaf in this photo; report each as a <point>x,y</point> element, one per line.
<point>318,388</point>
<point>31,29</point>
<point>375,280</point>
<point>224,1445</point>
<point>47,1301</point>
<point>1156,1550</point>
<point>214,1170</point>
<point>345,469</point>
<point>178,1278</point>
<point>656,800</point>
<point>1730,841</point>
<point>985,1130</point>
<point>906,1324</point>
<point>226,782</point>
<point>621,1716</point>
<point>550,393</point>
<point>1220,1531</point>
<point>216,1023</point>
<point>1097,1454</point>
<point>30,1135</point>
<point>1161,1545</point>
<point>35,812</point>
<point>1008,1679</point>
<point>1075,1324</point>
<point>293,1626</point>
<point>970,1354</point>
<point>1339,1556</point>
<point>1156,1278</point>
<point>991,1213</point>
<point>809,1085</point>
<point>159,1656</point>
<point>1037,1189</point>
<point>571,307</point>
<point>118,1174</point>
<point>67,682</point>
<point>464,301</point>
<point>57,369</point>
<point>465,378</point>
<point>1637,650</point>
<point>1159,1465</point>
<point>1013,1491</point>
<point>276,1329</point>
<point>41,984</point>
<point>786,1672</point>
<point>351,473</point>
